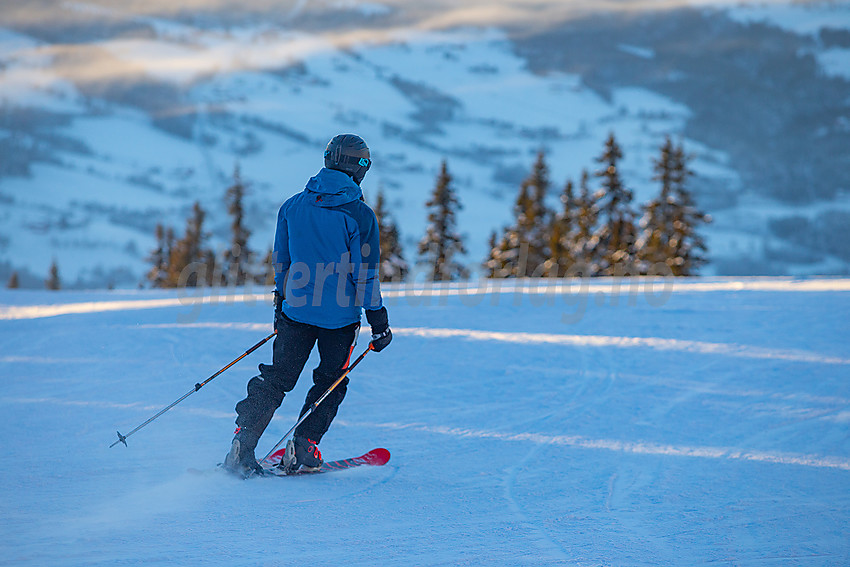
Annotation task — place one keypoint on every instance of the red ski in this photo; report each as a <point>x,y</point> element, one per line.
<point>374,458</point>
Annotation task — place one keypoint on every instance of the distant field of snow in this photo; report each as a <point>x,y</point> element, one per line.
<point>94,164</point>
<point>418,99</point>
<point>805,19</point>
<point>702,421</point>
<point>799,17</point>
<point>836,62</point>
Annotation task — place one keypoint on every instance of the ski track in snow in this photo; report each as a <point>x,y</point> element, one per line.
<point>570,340</point>
<point>625,342</point>
<point>484,287</point>
<point>536,439</point>
<point>541,540</point>
<point>639,448</point>
<point>544,540</point>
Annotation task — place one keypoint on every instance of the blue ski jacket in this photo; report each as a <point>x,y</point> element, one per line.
<point>327,253</point>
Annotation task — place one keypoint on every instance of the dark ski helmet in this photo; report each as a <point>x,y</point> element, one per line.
<point>350,154</point>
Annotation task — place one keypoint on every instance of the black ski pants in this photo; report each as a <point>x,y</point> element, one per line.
<point>292,347</point>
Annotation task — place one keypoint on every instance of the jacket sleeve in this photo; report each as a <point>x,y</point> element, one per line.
<point>280,255</point>
<point>368,281</point>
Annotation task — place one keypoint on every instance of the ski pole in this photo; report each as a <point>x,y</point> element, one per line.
<point>317,402</point>
<point>123,438</point>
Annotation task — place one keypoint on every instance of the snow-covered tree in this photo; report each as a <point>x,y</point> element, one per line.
<point>616,234</point>
<point>491,264</point>
<point>524,247</point>
<point>442,241</point>
<point>394,268</point>
<point>669,224</point>
<point>656,224</point>
<point>584,241</point>
<point>562,235</point>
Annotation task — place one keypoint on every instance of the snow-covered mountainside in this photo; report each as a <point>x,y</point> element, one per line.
<point>614,425</point>
<point>113,119</point>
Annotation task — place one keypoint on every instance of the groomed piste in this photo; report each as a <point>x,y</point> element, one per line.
<point>605,422</point>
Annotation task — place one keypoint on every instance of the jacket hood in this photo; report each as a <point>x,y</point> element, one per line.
<point>331,188</point>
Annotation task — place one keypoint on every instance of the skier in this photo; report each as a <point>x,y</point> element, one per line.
<point>326,254</point>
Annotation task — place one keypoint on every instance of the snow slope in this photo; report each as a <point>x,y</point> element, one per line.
<point>699,423</point>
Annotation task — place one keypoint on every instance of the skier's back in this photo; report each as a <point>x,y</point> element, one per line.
<point>326,256</point>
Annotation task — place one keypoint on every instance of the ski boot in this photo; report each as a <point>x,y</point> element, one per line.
<point>301,456</point>
<point>241,461</point>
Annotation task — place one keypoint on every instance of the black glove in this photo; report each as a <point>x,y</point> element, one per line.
<point>278,308</point>
<point>381,334</point>
<point>380,341</point>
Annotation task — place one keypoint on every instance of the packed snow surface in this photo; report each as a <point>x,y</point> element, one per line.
<point>595,423</point>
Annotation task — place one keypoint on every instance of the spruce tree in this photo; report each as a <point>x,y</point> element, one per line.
<point>491,264</point>
<point>265,275</point>
<point>393,266</point>
<point>656,224</point>
<point>441,241</point>
<point>509,258</point>
<point>524,247</point>
<point>584,243</point>
<point>13,282</point>
<point>668,226</point>
<point>159,257</point>
<point>561,235</point>
<point>616,234</point>
<point>53,282</point>
<point>504,257</point>
<point>212,271</point>
<point>687,246</point>
<point>538,217</point>
<point>190,251</point>
<point>170,242</point>
<point>237,258</point>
